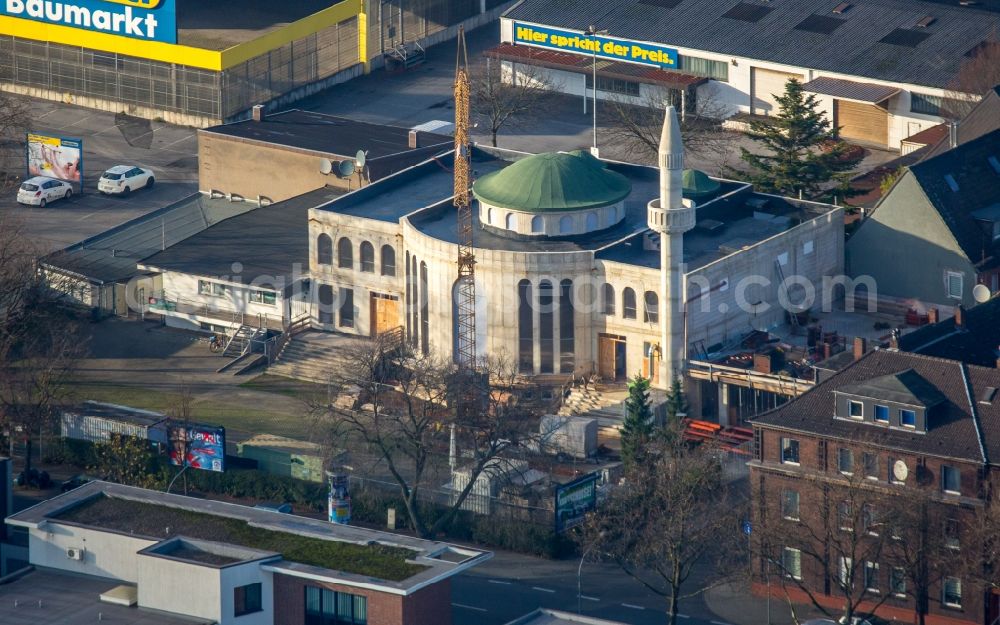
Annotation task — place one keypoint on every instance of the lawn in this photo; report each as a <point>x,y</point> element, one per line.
<point>145,519</point>
<point>298,389</point>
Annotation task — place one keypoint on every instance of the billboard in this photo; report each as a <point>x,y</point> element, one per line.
<point>55,157</point>
<point>574,500</point>
<point>149,20</point>
<point>198,446</point>
<point>610,48</point>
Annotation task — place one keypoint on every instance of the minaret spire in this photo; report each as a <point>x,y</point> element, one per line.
<point>671,216</point>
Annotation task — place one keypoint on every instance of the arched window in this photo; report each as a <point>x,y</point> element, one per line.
<point>537,226</point>
<point>628,303</point>
<point>367,257</point>
<point>489,215</point>
<point>388,260</point>
<point>345,254</point>
<point>591,221</point>
<point>567,336</point>
<point>324,249</point>
<point>651,314</point>
<point>546,326</point>
<point>608,299</point>
<point>565,224</point>
<point>525,328</point>
<point>325,304</point>
<point>511,221</point>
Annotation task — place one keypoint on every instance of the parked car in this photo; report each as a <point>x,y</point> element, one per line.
<point>39,191</point>
<point>123,179</point>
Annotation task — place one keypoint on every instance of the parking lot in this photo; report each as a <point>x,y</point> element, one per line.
<point>170,151</point>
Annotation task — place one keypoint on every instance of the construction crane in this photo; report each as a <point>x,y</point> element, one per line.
<point>466,356</point>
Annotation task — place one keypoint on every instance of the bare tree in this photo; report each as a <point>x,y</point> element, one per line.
<point>978,73</point>
<point>507,94</point>
<point>15,120</point>
<point>636,123</point>
<point>674,514</point>
<point>400,404</point>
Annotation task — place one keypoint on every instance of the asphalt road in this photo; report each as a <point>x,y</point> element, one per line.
<point>170,151</point>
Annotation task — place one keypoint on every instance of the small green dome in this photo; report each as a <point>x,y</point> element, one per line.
<point>553,181</point>
<point>697,184</point>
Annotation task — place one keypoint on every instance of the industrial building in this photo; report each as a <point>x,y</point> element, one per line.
<point>203,63</point>
<point>150,557</point>
<point>880,70</point>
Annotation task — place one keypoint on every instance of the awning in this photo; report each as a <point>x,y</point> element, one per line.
<point>865,92</point>
<point>583,64</point>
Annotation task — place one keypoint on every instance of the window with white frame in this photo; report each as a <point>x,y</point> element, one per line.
<point>856,409</point>
<point>789,451</point>
<point>204,287</point>
<point>871,577</point>
<point>951,534</point>
<point>881,413</point>
<point>953,283</point>
<point>871,465</point>
<point>925,104</point>
<point>870,519</point>
<point>213,289</point>
<point>845,516</point>
<point>845,461</point>
<point>951,592</point>
<point>263,297</point>
<point>790,504</point>
<point>845,572</point>
<point>907,418</point>
<point>897,581</point>
<point>951,480</point>
<point>791,562</point>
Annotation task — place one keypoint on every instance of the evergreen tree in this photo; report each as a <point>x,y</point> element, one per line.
<point>676,402</point>
<point>801,151</point>
<point>637,427</point>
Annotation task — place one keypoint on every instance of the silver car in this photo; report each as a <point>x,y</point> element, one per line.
<point>39,191</point>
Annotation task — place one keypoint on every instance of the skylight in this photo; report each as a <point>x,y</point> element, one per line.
<point>952,183</point>
<point>746,12</point>
<point>904,37</point>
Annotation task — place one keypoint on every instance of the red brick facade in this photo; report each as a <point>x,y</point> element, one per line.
<point>430,605</point>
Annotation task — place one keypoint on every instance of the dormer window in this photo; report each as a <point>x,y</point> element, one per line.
<point>907,418</point>
<point>881,413</point>
<point>857,409</point>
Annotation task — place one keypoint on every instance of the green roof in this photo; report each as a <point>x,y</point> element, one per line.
<point>553,181</point>
<point>697,184</point>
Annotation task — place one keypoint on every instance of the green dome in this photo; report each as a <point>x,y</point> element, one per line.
<point>553,181</point>
<point>697,184</point>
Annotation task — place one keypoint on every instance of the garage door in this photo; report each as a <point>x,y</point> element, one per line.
<point>861,122</point>
<point>764,86</point>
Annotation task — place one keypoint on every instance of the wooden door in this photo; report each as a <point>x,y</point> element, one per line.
<point>384,313</point>
<point>861,122</point>
<point>606,357</point>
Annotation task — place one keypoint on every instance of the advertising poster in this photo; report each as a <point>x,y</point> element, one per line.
<point>610,48</point>
<point>198,446</point>
<point>55,157</point>
<point>150,20</point>
<point>574,500</point>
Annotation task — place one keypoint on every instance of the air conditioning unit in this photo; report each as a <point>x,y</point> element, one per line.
<point>74,553</point>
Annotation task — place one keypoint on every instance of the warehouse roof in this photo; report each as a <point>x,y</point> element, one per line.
<point>112,255</point>
<point>850,90</point>
<point>877,39</point>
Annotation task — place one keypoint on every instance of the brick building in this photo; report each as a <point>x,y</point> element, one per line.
<point>223,563</point>
<point>829,467</point>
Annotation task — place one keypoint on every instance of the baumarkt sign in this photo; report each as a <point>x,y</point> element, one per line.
<point>150,20</point>
<point>603,47</point>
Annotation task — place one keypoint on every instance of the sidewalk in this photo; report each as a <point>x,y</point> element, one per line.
<point>734,604</point>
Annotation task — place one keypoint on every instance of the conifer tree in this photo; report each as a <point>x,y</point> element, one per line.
<point>676,402</point>
<point>637,427</point>
<point>801,151</point>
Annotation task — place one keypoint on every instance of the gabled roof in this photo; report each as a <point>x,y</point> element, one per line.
<point>954,429</point>
<point>983,118</point>
<point>975,343</point>
<point>959,182</point>
<point>905,387</point>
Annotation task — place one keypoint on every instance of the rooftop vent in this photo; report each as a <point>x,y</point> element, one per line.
<point>842,8</point>
<point>994,163</point>
<point>904,37</point>
<point>822,24</point>
<point>926,21</point>
<point>952,183</point>
<point>746,12</point>
<point>988,394</point>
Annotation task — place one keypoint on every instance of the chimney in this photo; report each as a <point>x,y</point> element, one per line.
<point>860,347</point>
<point>932,315</point>
<point>894,339</point>
<point>953,134</point>
<point>960,316</point>
<point>414,142</point>
<point>258,112</point>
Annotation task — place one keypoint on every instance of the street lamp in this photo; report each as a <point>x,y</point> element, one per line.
<point>579,573</point>
<point>593,32</point>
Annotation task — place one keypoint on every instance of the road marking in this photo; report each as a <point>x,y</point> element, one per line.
<point>683,616</point>
<point>469,607</point>
<point>498,581</point>
<point>78,121</point>
<point>589,598</point>
<point>540,589</point>
<point>633,606</point>
<point>107,129</point>
<point>719,623</point>
<point>184,138</point>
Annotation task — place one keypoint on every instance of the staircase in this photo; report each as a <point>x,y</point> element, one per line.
<point>241,341</point>
<point>590,400</point>
<point>313,355</point>
<point>404,56</point>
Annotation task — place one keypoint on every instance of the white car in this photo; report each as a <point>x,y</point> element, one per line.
<point>124,179</point>
<point>39,191</point>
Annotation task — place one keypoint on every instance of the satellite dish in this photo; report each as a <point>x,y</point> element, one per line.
<point>981,293</point>
<point>325,166</point>
<point>345,169</point>
<point>360,158</point>
<point>900,471</point>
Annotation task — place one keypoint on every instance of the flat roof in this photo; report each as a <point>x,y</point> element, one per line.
<point>310,548</point>
<point>222,24</point>
<point>56,598</point>
<point>328,134</point>
<point>111,256</point>
<point>856,42</point>
<point>261,246</point>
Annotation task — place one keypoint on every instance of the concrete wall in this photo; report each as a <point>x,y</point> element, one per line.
<point>105,554</point>
<point>175,586</point>
<point>905,226</point>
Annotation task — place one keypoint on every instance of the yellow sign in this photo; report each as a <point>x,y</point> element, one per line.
<point>600,46</point>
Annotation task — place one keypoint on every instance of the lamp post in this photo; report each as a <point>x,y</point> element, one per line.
<point>579,574</point>
<point>593,32</point>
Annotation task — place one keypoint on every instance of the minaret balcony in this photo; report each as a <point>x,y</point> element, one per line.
<point>671,220</point>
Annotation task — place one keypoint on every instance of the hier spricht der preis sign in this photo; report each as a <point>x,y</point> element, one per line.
<point>601,46</point>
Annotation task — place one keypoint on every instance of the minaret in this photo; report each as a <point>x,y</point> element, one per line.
<point>671,215</point>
